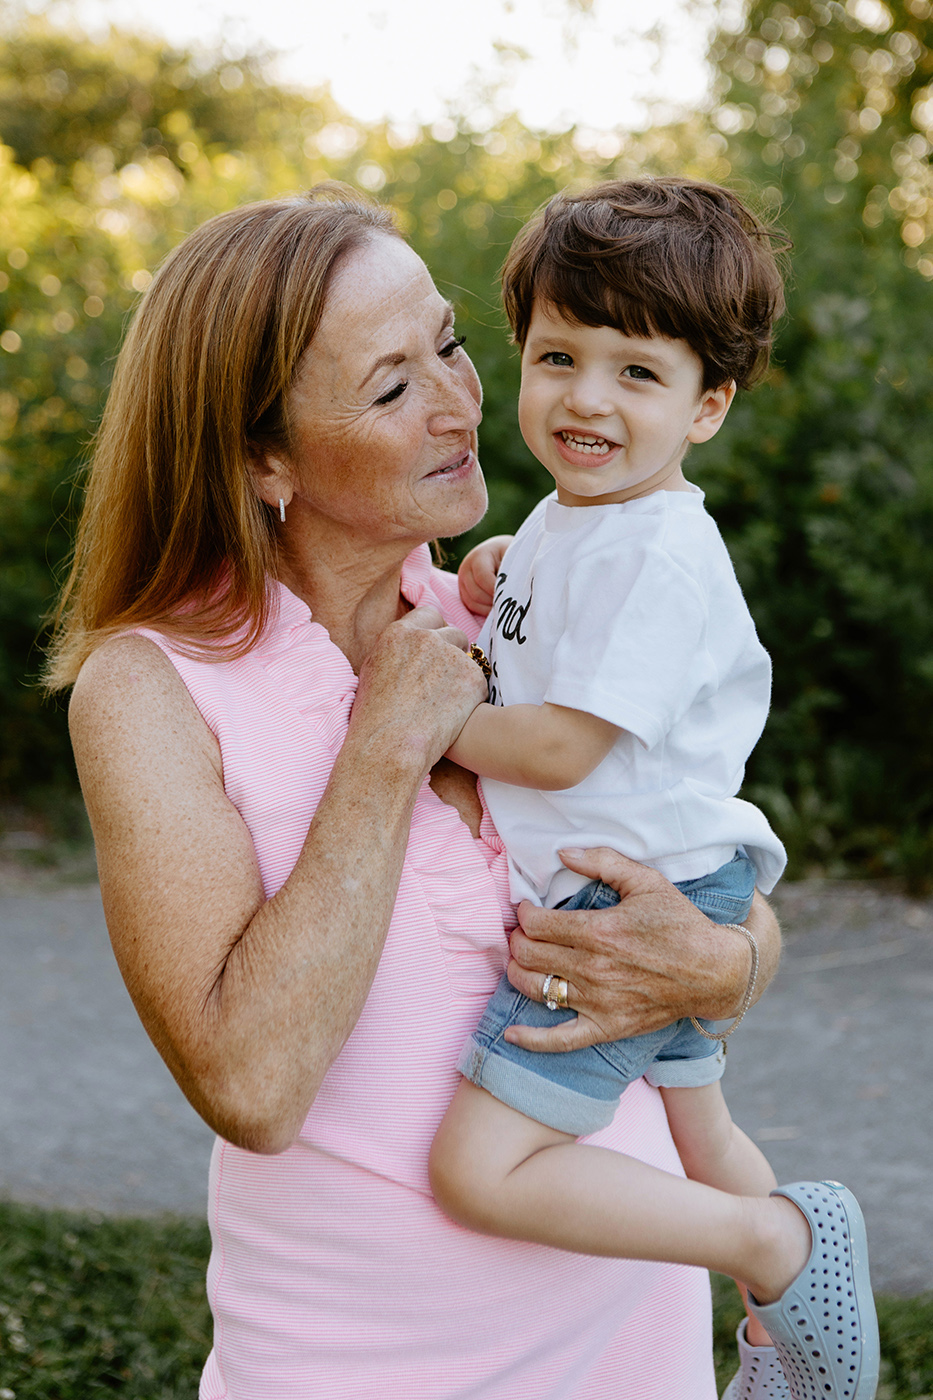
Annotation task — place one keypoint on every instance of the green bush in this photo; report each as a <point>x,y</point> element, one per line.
<point>823,480</point>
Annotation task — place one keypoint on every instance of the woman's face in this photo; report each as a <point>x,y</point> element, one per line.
<point>385,407</point>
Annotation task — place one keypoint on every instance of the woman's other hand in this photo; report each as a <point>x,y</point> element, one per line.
<point>421,679</point>
<point>477,574</point>
<point>644,963</point>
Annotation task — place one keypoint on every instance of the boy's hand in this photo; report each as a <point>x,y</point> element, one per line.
<point>477,574</point>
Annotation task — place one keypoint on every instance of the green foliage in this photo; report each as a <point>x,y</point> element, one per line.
<point>90,190</point>
<point>64,98</point>
<point>821,479</point>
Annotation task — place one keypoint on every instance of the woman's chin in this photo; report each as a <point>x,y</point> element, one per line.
<point>465,508</point>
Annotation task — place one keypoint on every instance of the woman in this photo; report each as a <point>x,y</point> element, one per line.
<point>305,898</point>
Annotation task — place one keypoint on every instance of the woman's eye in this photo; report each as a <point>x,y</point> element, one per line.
<point>447,350</point>
<point>557,357</point>
<point>393,393</point>
<point>638,372</point>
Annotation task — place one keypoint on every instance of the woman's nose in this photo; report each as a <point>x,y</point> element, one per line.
<point>460,402</point>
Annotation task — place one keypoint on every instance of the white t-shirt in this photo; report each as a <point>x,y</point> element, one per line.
<point>633,613</point>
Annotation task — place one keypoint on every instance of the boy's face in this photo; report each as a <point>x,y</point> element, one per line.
<point>610,415</point>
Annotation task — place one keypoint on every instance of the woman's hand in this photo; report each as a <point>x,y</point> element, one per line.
<point>477,574</point>
<point>421,679</point>
<point>645,963</point>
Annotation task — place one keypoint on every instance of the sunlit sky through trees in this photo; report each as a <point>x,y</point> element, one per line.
<point>592,63</point>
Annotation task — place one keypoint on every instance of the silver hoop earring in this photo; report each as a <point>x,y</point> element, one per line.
<point>282,510</point>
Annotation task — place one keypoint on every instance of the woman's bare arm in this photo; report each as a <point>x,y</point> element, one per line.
<point>644,963</point>
<point>248,1000</point>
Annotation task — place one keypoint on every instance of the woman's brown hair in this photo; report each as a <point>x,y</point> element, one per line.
<point>667,256</point>
<point>172,534</point>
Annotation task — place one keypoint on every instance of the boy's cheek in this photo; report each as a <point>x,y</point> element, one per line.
<point>530,411</point>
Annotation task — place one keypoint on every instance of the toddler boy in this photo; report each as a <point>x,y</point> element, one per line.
<point>627,689</point>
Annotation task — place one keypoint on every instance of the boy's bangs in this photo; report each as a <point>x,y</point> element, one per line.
<point>583,295</point>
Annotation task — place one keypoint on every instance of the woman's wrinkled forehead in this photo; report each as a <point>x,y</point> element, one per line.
<point>377,268</point>
<point>381,301</point>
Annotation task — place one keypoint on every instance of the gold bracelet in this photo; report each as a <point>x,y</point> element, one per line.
<point>479,656</point>
<point>749,990</point>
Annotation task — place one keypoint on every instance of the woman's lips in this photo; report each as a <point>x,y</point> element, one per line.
<point>456,467</point>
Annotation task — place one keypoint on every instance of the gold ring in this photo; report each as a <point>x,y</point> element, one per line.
<point>479,656</point>
<point>554,992</point>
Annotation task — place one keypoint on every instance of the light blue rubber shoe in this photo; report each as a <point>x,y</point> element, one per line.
<point>760,1375</point>
<point>824,1326</point>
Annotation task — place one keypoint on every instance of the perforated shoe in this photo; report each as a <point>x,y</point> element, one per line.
<point>760,1376</point>
<point>824,1326</point>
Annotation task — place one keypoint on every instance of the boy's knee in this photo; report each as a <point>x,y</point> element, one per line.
<point>457,1185</point>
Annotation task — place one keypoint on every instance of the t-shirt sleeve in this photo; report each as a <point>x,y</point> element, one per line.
<point>634,623</point>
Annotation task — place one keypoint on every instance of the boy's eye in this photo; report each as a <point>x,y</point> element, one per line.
<point>557,357</point>
<point>638,372</point>
<point>393,393</point>
<point>447,350</point>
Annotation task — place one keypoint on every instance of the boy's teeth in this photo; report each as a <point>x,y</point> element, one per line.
<point>585,444</point>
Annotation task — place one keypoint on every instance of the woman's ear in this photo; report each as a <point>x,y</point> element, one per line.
<point>271,477</point>
<point>711,411</point>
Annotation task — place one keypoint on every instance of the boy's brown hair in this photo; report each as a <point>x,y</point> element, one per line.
<point>673,257</point>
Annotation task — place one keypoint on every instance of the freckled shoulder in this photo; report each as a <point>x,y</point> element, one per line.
<point>129,695</point>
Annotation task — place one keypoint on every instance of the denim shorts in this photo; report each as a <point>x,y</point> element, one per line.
<point>578,1091</point>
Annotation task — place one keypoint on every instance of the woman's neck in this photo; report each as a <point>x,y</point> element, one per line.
<point>353,592</point>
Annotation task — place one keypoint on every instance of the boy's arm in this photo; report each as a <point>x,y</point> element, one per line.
<point>477,574</point>
<point>539,746</point>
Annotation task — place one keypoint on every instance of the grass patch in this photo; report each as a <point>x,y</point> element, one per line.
<point>91,1306</point>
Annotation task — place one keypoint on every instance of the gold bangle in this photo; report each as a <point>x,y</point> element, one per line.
<point>749,990</point>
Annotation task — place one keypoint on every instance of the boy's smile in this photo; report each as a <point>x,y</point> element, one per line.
<point>610,415</point>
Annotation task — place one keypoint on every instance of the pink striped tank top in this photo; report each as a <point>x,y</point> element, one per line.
<point>333,1274</point>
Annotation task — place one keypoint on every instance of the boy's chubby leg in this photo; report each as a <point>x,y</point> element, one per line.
<point>715,1151</point>
<point>477,1149</point>
<point>496,1171</point>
